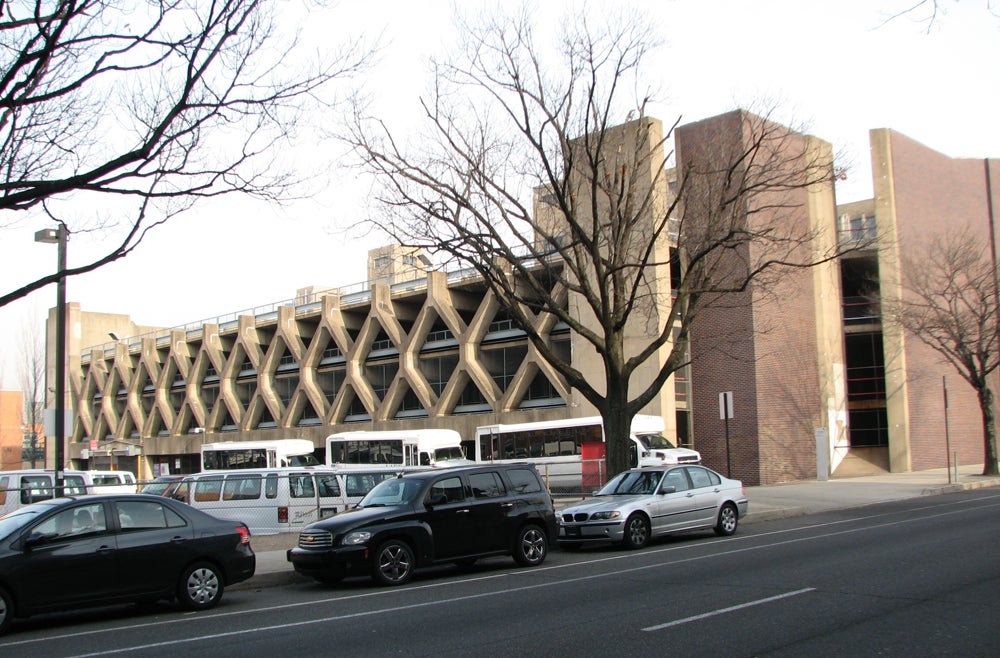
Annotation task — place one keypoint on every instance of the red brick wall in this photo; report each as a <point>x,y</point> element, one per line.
<point>935,194</point>
<point>761,344</point>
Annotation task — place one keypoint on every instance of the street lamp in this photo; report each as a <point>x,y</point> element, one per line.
<point>59,236</point>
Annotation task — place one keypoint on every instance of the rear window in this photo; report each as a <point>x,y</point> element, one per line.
<point>524,480</point>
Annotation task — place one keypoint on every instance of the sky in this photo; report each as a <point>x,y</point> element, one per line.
<point>838,68</point>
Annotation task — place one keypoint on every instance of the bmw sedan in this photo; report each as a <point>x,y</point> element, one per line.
<point>66,553</point>
<point>648,502</point>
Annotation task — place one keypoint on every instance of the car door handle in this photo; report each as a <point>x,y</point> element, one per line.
<point>177,540</point>
<point>689,495</point>
<point>462,511</point>
<point>105,549</point>
<point>506,505</point>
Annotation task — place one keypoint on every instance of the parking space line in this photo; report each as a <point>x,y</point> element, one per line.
<point>722,611</point>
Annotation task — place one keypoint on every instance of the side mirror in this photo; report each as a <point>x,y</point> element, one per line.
<point>669,489</point>
<point>35,539</point>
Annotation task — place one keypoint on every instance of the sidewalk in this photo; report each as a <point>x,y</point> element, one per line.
<point>767,503</point>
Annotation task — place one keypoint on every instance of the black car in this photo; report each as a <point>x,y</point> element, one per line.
<point>66,553</point>
<point>419,519</point>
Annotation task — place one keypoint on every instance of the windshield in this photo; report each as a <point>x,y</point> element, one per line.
<point>655,442</point>
<point>631,483</point>
<point>11,523</point>
<point>388,493</point>
<point>444,454</point>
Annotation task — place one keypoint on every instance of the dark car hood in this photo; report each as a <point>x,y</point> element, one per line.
<point>360,516</point>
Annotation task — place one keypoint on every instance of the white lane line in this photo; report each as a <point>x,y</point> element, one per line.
<point>715,613</point>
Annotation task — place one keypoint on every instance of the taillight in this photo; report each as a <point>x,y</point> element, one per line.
<point>244,534</point>
<point>282,515</point>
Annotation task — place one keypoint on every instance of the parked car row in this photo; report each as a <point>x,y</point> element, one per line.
<point>85,550</point>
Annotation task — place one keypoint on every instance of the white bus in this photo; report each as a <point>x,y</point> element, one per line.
<point>275,500</point>
<point>570,453</point>
<point>398,448</point>
<point>280,453</point>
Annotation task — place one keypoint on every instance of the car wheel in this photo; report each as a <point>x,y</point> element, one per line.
<point>393,563</point>
<point>728,520</point>
<point>200,587</point>
<point>636,531</point>
<point>6,610</point>
<point>532,546</point>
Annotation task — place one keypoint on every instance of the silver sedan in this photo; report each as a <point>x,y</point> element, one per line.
<point>648,502</point>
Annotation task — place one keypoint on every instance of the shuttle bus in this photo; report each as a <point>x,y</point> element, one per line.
<point>570,453</point>
<point>393,449</point>
<point>280,453</point>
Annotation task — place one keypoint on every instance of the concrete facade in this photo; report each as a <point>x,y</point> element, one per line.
<point>433,349</point>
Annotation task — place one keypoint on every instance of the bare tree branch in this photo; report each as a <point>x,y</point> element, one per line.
<point>149,107</point>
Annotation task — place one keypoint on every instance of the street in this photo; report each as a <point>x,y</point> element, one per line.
<point>918,577</point>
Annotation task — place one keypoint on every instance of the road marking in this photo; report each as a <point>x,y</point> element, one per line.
<point>733,608</point>
<point>202,616</point>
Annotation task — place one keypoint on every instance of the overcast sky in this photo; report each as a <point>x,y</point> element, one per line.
<point>835,66</point>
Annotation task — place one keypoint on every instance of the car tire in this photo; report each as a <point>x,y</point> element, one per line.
<point>6,610</point>
<point>393,563</point>
<point>729,518</point>
<point>531,547</point>
<point>200,586</point>
<point>636,531</point>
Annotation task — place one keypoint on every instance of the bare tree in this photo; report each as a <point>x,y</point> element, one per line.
<point>528,175</point>
<point>32,375</point>
<point>951,305</point>
<point>144,108</point>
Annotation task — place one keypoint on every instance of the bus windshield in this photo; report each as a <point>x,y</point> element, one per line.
<point>655,442</point>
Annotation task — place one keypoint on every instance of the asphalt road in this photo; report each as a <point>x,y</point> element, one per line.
<point>919,577</point>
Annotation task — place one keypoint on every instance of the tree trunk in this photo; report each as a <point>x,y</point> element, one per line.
<point>618,444</point>
<point>989,432</point>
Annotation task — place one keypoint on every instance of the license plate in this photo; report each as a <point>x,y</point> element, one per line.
<point>572,532</point>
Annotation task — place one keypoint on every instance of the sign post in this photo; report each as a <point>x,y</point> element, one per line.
<point>725,413</point>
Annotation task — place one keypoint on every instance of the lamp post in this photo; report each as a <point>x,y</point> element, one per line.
<point>59,236</point>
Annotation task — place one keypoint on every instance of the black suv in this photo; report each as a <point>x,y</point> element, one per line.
<point>446,515</point>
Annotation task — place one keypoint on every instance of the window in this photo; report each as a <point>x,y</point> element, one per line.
<point>208,490</point>
<point>676,479</point>
<point>146,515</point>
<point>88,519</point>
<point>524,480</point>
<point>486,485</point>
<point>451,488</point>
<point>700,477</point>
<point>328,485</point>
<point>301,486</point>
<point>243,487</point>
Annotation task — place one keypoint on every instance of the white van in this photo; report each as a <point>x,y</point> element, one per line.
<point>31,485</point>
<point>274,500</point>
<point>111,482</point>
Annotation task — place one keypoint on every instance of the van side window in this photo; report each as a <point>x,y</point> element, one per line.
<point>328,485</point>
<point>241,487</point>
<point>271,486</point>
<point>523,480</point>
<point>74,485</point>
<point>3,490</point>
<point>207,490</point>
<point>486,485</point>
<point>35,487</point>
<point>301,486</point>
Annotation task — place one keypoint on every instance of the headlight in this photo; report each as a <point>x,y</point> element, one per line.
<point>355,538</point>
<point>604,516</point>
